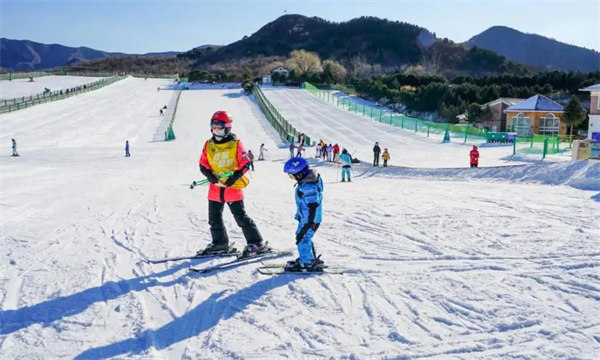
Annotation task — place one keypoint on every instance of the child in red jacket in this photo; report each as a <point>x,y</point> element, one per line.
<point>223,153</point>
<point>474,154</point>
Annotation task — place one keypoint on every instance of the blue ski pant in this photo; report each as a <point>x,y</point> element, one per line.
<point>306,249</point>
<point>345,172</point>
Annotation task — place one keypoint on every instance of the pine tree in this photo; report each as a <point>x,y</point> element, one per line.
<point>573,113</point>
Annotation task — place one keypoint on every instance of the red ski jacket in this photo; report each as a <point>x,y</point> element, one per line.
<point>474,154</point>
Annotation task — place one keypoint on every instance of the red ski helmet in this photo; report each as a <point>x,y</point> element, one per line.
<point>223,117</point>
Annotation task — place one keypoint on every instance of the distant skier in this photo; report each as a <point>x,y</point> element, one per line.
<point>161,112</point>
<point>336,152</point>
<point>14,147</point>
<point>474,156</point>
<point>309,199</point>
<point>250,160</point>
<point>385,156</point>
<point>127,154</point>
<point>318,150</point>
<point>346,161</point>
<point>300,150</point>
<point>302,139</point>
<point>261,152</point>
<point>223,153</point>
<point>376,152</point>
<point>292,147</point>
<point>329,152</point>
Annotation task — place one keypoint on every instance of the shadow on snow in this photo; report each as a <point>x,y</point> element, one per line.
<point>49,311</point>
<point>202,318</point>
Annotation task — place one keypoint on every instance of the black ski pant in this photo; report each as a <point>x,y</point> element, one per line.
<point>217,228</point>
<point>375,159</point>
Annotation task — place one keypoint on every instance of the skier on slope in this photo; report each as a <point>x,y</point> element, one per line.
<point>474,157</point>
<point>309,198</point>
<point>376,152</point>
<point>346,162</point>
<point>14,147</point>
<point>222,153</point>
<point>385,157</point>
<point>261,152</point>
<point>251,160</point>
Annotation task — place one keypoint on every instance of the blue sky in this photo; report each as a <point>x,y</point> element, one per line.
<point>140,26</point>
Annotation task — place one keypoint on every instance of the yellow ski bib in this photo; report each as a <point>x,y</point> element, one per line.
<point>223,158</point>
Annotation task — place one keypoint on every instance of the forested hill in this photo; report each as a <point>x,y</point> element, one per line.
<point>536,50</point>
<point>390,44</point>
<point>379,41</point>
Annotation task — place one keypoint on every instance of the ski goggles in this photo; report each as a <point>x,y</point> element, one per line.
<point>215,124</point>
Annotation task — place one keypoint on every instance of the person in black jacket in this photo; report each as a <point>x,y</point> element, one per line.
<point>376,152</point>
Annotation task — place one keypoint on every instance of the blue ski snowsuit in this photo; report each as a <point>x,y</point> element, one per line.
<point>346,161</point>
<point>309,212</point>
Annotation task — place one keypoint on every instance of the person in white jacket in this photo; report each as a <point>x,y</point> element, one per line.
<point>261,154</point>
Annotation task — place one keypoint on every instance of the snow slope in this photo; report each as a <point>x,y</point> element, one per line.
<point>357,133</point>
<point>22,87</point>
<point>441,263</point>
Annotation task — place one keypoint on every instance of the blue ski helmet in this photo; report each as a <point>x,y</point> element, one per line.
<point>296,167</point>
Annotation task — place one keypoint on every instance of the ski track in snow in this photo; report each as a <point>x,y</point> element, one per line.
<point>441,263</point>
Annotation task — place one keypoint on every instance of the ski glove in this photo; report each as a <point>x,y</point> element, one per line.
<point>233,178</point>
<point>209,175</point>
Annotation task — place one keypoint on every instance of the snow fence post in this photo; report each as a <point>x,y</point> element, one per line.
<point>545,148</point>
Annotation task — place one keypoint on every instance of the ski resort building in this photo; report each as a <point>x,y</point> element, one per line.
<point>537,115</point>
<point>594,124</point>
<point>497,119</point>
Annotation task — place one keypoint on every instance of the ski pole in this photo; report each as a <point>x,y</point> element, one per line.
<point>205,181</point>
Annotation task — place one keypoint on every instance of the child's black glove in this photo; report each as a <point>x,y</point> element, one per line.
<point>233,178</point>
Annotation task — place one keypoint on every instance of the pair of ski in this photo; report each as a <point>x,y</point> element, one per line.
<point>279,269</point>
<point>266,268</point>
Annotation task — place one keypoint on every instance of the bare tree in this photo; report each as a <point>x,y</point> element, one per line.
<point>304,62</point>
<point>359,66</point>
<point>333,71</point>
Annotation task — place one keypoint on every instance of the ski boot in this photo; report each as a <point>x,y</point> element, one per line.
<point>317,265</point>
<point>255,249</point>
<point>216,249</point>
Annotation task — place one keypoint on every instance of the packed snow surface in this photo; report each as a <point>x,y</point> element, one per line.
<point>17,88</point>
<point>441,261</point>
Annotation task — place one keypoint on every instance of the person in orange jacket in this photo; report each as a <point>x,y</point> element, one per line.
<point>474,155</point>
<point>223,153</point>
<point>385,157</point>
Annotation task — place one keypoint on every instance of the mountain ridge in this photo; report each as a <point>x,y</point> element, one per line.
<point>536,50</point>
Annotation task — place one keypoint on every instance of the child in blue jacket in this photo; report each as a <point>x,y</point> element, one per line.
<point>309,212</point>
<point>346,162</point>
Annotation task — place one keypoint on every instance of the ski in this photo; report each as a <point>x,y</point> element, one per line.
<point>241,260</point>
<point>232,252</point>
<point>272,270</point>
